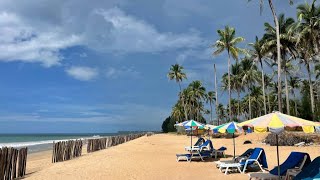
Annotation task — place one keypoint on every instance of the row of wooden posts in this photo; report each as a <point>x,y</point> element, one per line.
<point>13,163</point>
<point>66,150</point>
<point>103,143</point>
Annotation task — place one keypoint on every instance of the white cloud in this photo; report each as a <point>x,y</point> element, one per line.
<point>21,42</point>
<point>82,73</point>
<point>194,55</point>
<point>128,72</point>
<point>129,34</point>
<point>37,32</point>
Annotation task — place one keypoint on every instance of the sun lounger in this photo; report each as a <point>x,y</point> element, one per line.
<point>311,171</point>
<point>199,142</point>
<point>186,157</point>
<point>257,157</point>
<point>237,159</point>
<point>295,161</point>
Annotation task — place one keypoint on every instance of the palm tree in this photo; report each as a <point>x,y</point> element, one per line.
<point>288,47</point>
<point>210,99</point>
<point>308,39</point>
<point>176,73</point>
<point>249,77</point>
<point>216,91</point>
<point>257,54</point>
<point>197,93</point>
<point>309,20</point>
<point>221,112</point>
<point>294,83</point>
<point>177,111</point>
<point>228,41</point>
<point>275,18</point>
<point>257,100</point>
<point>236,83</point>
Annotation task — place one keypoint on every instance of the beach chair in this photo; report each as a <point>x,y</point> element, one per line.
<point>215,152</point>
<point>237,159</point>
<point>295,161</point>
<point>199,142</point>
<point>205,150</point>
<point>311,171</point>
<point>200,152</point>
<point>257,157</point>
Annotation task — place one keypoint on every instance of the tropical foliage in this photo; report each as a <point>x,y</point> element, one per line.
<point>278,72</point>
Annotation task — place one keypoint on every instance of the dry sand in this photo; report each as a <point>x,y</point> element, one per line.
<point>151,158</point>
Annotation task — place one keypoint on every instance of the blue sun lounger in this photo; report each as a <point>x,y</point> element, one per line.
<point>312,171</point>
<point>295,161</point>
<point>257,157</point>
<point>237,159</point>
<point>205,150</point>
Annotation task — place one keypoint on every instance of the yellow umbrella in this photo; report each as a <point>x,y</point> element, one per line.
<point>276,122</point>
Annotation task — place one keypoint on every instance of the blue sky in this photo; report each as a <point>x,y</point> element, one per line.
<point>100,66</point>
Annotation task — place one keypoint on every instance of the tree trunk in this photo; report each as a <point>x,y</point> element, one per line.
<point>229,86</point>
<point>250,106</point>
<point>263,88</point>
<point>216,89</point>
<point>287,92</point>
<point>295,104</point>
<point>183,103</point>
<point>210,111</point>
<point>238,104</point>
<point>278,54</point>
<point>311,90</point>
<point>269,103</point>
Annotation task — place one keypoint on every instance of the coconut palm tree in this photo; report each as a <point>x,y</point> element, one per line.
<point>308,31</point>
<point>177,111</point>
<point>248,78</point>
<point>197,93</point>
<point>288,49</point>
<point>257,100</point>
<point>229,42</point>
<point>294,83</point>
<point>176,73</point>
<point>276,22</point>
<point>309,23</point>
<point>210,99</point>
<point>258,54</point>
<point>236,83</point>
<point>221,112</point>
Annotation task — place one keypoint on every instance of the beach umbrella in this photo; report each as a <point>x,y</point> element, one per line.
<point>209,127</point>
<point>276,122</point>
<point>192,125</point>
<point>231,128</point>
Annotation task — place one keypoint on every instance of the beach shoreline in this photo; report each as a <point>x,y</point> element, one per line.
<point>150,158</point>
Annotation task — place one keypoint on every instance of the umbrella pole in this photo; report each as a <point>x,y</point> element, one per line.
<point>191,139</point>
<point>278,157</point>
<point>234,147</point>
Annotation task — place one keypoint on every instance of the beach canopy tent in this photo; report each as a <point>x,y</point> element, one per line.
<point>231,128</point>
<point>277,122</point>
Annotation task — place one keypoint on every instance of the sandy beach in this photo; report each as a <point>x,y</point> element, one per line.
<point>150,158</point>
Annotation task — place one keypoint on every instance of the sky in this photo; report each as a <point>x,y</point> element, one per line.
<point>86,66</point>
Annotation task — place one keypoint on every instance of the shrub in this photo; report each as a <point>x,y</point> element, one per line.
<point>288,138</point>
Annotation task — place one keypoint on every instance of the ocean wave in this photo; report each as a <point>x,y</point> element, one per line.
<point>33,143</point>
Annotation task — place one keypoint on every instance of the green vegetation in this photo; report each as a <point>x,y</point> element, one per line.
<point>266,77</point>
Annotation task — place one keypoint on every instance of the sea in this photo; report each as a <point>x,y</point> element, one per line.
<point>43,142</point>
